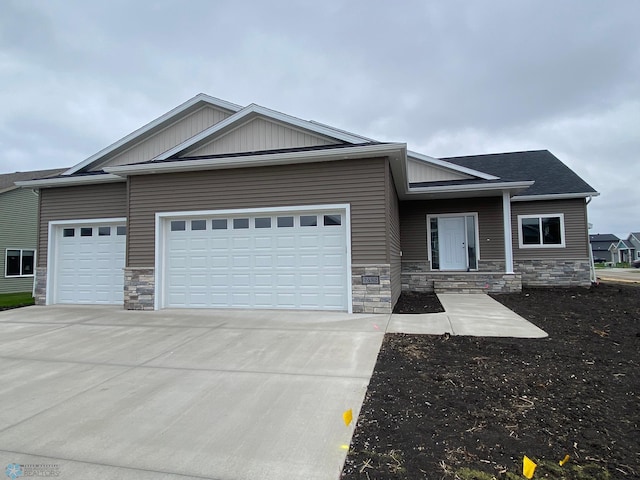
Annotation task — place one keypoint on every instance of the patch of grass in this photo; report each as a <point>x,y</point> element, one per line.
<point>545,469</point>
<point>392,461</point>
<point>11,300</point>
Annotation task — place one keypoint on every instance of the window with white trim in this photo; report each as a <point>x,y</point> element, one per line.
<point>541,231</point>
<point>19,262</point>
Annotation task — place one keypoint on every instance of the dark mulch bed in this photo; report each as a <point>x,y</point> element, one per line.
<point>455,407</point>
<point>411,302</point>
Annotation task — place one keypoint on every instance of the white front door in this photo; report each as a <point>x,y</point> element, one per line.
<point>452,242</point>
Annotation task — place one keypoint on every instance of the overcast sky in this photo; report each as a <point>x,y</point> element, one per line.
<point>446,77</point>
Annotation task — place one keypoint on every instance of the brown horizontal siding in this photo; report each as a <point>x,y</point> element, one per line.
<point>393,225</point>
<point>360,183</point>
<point>413,225</point>
<point>575,225</point>
<point>78,203</point>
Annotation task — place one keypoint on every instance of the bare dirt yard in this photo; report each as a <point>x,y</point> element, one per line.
<point>471,408</point>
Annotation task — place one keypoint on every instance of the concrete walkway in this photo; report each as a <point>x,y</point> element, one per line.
<point>476,315</point>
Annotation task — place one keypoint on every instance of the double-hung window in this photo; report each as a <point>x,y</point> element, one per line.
<point>19,262</point>
<point>541,231</point>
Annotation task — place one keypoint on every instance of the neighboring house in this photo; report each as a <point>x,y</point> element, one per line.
<point>601,247</point>
<point>218,205</point>
<point>633,240</point>
<point>18,231</point>
<point>621,252</point>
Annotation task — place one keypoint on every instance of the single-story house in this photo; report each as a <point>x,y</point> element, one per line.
<point>601,247</point>
<point>633,240</point>
<point>19,231</point>
<point>217,205</point>
<point>621,252</point>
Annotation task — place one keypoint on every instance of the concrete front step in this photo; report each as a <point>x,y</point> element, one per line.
<point>461,282</point>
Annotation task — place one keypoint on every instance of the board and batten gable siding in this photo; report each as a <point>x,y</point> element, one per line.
<point>169,137</point>
<point>361,183</point>
<point>413,225</point>
<point>393,235</point>
<point>260,134</point>
<point>18,229</point>
<point>423,172</point>
<point>107,200</point>
<point>575,229</point>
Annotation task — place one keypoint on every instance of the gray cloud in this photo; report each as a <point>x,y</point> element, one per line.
<point>449,78</point>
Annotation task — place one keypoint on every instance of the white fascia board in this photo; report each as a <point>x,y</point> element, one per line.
<point>201,97</point>
<point>356,151</point>
<point>553,196</point>
<point>451,166</point>
<point>471,187</point>
<point>258,110</point>
<point>70,181</point>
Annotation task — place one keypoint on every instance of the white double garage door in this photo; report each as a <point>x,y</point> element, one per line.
<point>294,258</point>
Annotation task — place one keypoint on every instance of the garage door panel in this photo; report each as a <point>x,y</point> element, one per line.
<point>88,269</point>
<point>276,266</point>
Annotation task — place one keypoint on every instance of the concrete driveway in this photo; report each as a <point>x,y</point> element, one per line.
<point>101,393</point>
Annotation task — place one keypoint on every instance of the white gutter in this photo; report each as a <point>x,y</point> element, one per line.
<point>471,187</point>
<point>70,181</point>
<point>259,160</point>
<point>553,196</point>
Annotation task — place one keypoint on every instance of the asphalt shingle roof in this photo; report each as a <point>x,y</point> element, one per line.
<point>7,179</point>
<point>551,176</point>
<point>603,237</point>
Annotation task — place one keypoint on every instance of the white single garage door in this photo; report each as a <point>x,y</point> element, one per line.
<point>89,262</point>
<point>292,260</point>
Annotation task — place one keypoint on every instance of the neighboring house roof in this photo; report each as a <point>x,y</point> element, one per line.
<point>551,176</point>
<point>603,237</point>
<point>620,245</point>
<point>7,180</point>
<point>600,246</point>
<point>634,238</point>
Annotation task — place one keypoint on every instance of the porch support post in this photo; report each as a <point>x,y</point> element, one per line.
<point>508,242</point>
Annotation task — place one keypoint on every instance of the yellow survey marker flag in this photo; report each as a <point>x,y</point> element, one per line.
<point>347,416</point>
<point>564,460</point>
<point>528,467</point>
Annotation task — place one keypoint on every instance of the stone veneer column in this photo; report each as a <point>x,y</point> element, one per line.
<point>40,294</point>
<point>371,298</point>
<point>139,288</point>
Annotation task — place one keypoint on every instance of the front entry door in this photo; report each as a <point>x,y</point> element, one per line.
<point>452,242</point>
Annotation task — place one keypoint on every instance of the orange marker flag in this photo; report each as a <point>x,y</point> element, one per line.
<point>528,467</point>
<point>347,416</point>
<point>564,460</point>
